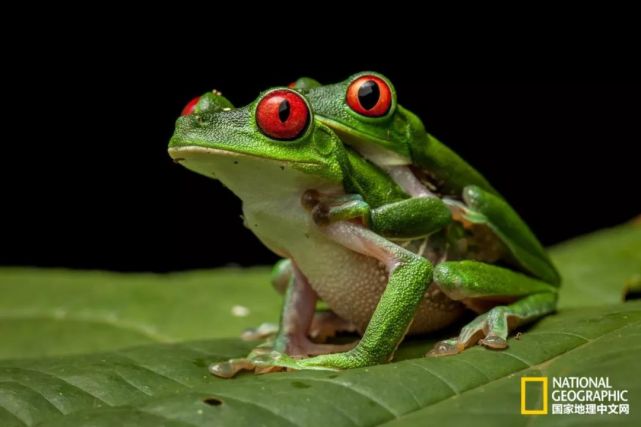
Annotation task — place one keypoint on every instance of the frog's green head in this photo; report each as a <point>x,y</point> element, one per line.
<point>364,112</point>
<point>273,142</point>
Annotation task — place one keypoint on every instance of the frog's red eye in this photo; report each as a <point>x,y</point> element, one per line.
<point>189,108</point>
<point>369,96</point>
<point>282,114</point>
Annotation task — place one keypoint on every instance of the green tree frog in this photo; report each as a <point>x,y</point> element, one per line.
<point>354,238</point>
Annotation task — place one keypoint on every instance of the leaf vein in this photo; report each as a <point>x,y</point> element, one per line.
<point>540,365</point>
<point>264,407</point>
<point>434,374</point>
<point>15,416</point>
<point>35,392</point>
<point>61,380</point>
<point>352,388</point>
<point>571,334</point>
<point>148,369</point>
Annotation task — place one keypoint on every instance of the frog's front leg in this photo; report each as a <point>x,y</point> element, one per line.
<point>404,219</point>
<point>477,283</point>
<point>408,277</point>
<point>296,318</point>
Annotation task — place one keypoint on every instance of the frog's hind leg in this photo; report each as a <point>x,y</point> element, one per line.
<point>477,282</point>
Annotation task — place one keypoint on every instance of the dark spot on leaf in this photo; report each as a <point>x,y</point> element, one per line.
<point>201,363</point>
<point>235,162</point>
<point>298,384</point>
<point>632,288</point>
<point>332,376</point>
<point>282,168</point>
<point>212,401</point>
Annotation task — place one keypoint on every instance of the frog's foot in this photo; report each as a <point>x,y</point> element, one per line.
<point>491,329</point>
<point>331,362</point>
<point>474,333</point>
<point>264,359</point>
<point>327,324</point>
<point>263,331</point>
<point>273,361</point>
<point>261,360</point>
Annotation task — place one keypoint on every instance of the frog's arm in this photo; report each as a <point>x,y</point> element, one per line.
<point>405,219</point>
<point>482,207</point>
<point>380,204</point>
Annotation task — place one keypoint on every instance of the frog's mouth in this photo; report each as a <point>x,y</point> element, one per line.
<point>181,154</point>
<point>205,160</point>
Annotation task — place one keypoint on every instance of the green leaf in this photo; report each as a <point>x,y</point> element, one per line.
<point>50,312</point>
<point>597,268</point>
<point>168,384</point>
<point>46,315</point>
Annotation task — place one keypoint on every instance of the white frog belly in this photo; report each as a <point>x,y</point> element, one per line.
<point>350,283</point>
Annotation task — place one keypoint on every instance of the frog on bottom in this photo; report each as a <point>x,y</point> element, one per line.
<point>284,165</point>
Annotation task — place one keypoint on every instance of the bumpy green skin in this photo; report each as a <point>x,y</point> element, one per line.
<point>403,134</point>
<point>304,84</point>
<point>212,101</point>
<point>472,279</point>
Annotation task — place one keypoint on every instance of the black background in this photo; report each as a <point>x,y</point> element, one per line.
<point>87,182</point>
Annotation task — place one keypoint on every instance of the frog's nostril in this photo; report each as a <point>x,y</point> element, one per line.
<point>190,107</point>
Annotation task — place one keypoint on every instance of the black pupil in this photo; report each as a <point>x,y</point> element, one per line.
<point>283,111</point>
<point>368,94</point>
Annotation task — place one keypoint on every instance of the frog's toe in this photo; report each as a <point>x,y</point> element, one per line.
<point>261,360</point>
<point>446,348</point>
<point>231,367</point>
<point>494,342</point>
<point>263,331</point>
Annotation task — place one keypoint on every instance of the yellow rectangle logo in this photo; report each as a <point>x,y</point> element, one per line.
<point>544,382</point>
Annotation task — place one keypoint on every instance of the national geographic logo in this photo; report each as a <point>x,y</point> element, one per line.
<point>573,396</point>
<point>544,393</point>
